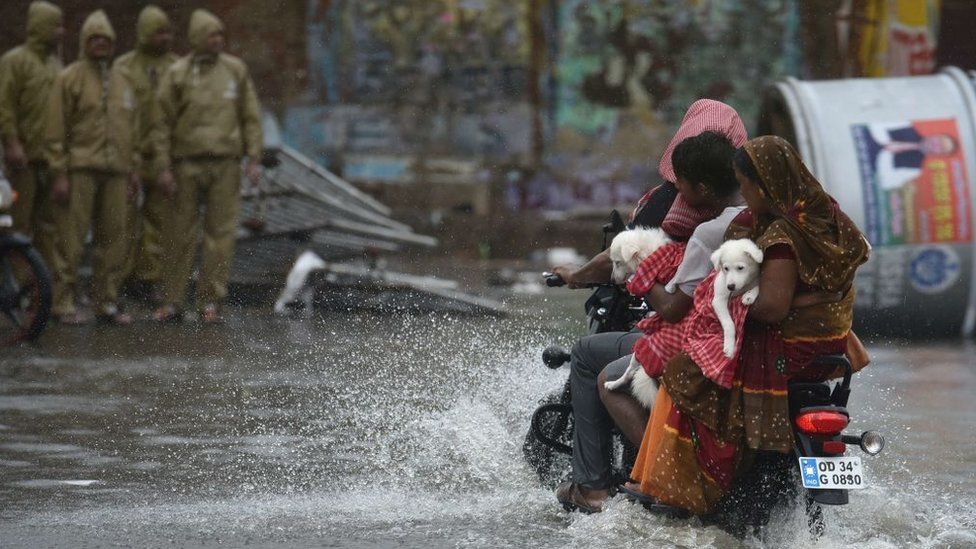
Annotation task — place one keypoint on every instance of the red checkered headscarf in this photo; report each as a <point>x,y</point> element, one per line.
<point>703,115</point>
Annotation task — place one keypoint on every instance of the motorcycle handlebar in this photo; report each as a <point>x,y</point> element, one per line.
<point>555,281</point>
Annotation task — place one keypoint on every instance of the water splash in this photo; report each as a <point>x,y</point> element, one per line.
<point>372,431</point>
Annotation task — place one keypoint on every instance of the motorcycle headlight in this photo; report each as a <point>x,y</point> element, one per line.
<point>872,443</point>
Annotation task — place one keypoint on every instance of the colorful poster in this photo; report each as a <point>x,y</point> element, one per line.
<point>914,182</point>
<point>894,37</point>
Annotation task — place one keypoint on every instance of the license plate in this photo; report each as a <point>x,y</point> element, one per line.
<point>832,472</point>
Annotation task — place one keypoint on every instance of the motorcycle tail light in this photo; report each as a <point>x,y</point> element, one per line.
<point>834,447</point>
<point>822,422</point>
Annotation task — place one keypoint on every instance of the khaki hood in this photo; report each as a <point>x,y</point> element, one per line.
<point>151,20</point>
<point>202,25</point>
<point>42,20</point>
<point>96,24</point>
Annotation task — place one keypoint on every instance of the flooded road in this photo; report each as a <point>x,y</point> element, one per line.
<point>366,431</point>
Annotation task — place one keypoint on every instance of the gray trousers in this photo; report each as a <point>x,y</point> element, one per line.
<point>592,439</point>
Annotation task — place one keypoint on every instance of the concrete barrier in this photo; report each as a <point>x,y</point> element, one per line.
<point>899,155</point>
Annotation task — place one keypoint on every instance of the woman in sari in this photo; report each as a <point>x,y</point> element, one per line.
<point>700,434</point>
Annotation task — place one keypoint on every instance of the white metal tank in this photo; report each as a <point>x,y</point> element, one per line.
<point>898,155</point>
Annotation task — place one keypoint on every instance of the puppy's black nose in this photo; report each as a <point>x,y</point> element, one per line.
<point>731,287</point>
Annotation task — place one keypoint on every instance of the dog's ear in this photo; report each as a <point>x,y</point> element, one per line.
<point>630,251</point>
<point>717,258</point>
<point>753,251</point>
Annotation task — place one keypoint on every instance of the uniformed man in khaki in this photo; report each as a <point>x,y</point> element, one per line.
<point>92,147</point>
<point>145,66</point>
<point>27,73</point>
<point>211,119</point>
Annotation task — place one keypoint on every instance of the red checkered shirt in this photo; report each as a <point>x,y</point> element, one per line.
<point>703,334</point>
<point>660,342</point>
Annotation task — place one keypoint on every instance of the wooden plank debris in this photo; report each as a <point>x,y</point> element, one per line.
<point>299,205</point>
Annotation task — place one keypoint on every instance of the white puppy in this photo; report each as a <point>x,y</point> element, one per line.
<point>630,248</point>
<point>627,251</point>
<point>737,263</point>
<point>641,385</point>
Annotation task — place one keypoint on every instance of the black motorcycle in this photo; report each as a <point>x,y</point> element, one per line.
<point>25,284</point>
<point>548,444</point>
<point>818,411</point>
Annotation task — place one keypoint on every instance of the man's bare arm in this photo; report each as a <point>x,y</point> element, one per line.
<point>671,307</point>
<point>595,271</point>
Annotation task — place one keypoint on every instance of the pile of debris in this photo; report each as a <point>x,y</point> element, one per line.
<point>300,206</point>
<point>300,209</point>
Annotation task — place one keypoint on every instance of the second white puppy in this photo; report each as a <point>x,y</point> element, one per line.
<point>737,263</point>
<point>630,248</point>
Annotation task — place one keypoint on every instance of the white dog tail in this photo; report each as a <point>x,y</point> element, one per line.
<point>644,388</point>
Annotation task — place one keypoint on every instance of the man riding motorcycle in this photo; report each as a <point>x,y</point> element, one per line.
<point>693,203</point>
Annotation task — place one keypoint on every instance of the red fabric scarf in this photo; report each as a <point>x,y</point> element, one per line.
<point>704,336</point>
<point>703,115</point>
<point>661,340</point>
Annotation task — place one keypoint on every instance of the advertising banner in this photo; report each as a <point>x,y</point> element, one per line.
<point>914,182</point>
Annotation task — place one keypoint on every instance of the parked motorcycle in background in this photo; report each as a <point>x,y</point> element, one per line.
<point>25,282</point>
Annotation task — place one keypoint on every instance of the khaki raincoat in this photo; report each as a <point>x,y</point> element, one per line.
<point>27,73</point>
<point>93,117</point>
<point>210,108</point>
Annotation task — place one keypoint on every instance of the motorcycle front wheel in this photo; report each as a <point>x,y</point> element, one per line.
<point>25,295</point>
<point>547,445</point>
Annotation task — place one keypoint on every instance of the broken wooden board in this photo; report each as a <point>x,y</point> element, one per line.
<point>342,286</point>
<point>299,205</point>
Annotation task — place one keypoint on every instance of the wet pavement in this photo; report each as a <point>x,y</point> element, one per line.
<point>364,431</point>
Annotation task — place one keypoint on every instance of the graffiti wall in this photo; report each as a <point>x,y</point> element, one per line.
<point>898,37</point>
<point>627,70</point>
<point>854,38</point>
<point>412,78</point>
<point>598,85</point>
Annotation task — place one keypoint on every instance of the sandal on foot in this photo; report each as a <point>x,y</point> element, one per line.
<point>167,313</point>
<point>211,315</point>
<point>634,495</point>
<point>572,499</point>
<point>651,503</point>
<point>111,314</point>
<point>74,318</point>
